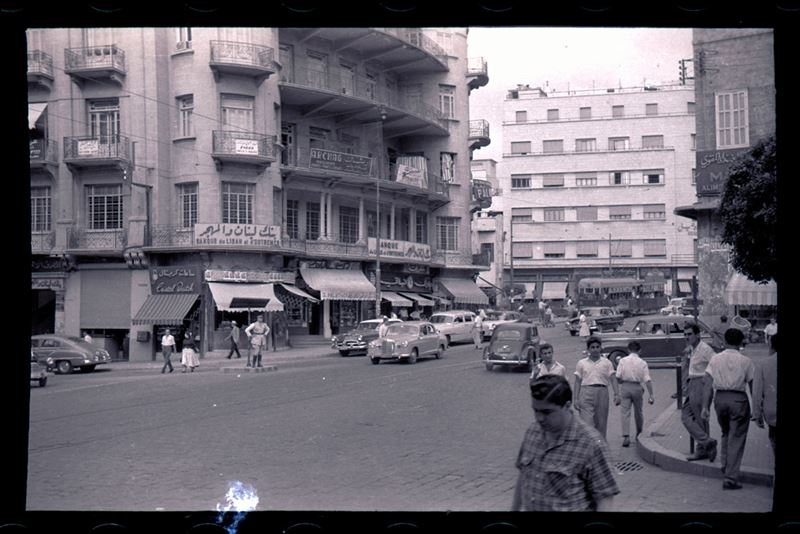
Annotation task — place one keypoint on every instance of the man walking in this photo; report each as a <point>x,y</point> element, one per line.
<point>563,464</point>
<point>167,348</point>
<point>593,375</point>
<point>234,337</point>
<point>765,392</point>
<point>728,374</point>
<point>257,334</point>
<point>477,330</point>
<point>383,327</point>
<point>632,372</point>
<point>548,365</point>
<point>699,354</point>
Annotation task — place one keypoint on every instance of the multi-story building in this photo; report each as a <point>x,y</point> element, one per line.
<point>734,80</point>
<point>190,176</point>
<point>589,182</point>
<point>487,227</point>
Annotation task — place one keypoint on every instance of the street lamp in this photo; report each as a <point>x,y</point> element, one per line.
<point>382,112</point>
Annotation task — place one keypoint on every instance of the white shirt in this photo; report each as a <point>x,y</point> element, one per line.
<point>555,369</point>
<point>87,338</point>
<point>632,368</point>
<point>382,329</point>
<point>167,340</point>
<point>699,358</point>
<point>731,370</point>
<point>592,373</point>
<point>771,329</point>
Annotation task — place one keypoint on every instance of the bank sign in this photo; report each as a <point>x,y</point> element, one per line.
<point>400,249</point>
<point>339,162</point>
<point>711,171</point>
<point>246,235</point>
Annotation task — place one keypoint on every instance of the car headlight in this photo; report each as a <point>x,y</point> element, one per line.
<point>360,338</point>
<point>403,344</point>
<point>49,361</point>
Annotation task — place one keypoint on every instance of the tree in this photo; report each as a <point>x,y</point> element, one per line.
<point>519,289</point>
<point>749,213</point>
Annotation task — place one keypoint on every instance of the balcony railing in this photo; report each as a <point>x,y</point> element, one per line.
<point>101,57</point>
<point>684,259</point>
<point>596,151</point>
<point>242,58</point>
<point>43,151</point>
<point>40,63</point>
<point>89,151</point>
<point>334,247</point>
<point>168,236</point>
<point>482,258</point>
<point>415,37</point>
<point>43,241</point>
<point>451,258</point>
<point>477,66</point>
<point>244,146</point>
<point>85,239</point>
<point>479,128</point>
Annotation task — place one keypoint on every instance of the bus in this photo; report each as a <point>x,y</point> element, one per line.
<point>630,296</point>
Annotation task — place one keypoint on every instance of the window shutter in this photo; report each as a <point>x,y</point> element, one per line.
<point>586,213</point>
<point>552,180</point>
<point>621,248</point>
<point>520,147</point>
<point>553,146</point>
<point>652,141</point>
<point>655,247</point>
<point>619,210</point>
<point>586,248</point>
<point>522,250</point>
<point>554,247</point>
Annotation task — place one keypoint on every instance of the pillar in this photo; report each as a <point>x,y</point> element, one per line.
<point>284,194</point>
<point>391,222</point>
<point>412,225</point>
<point>361,221</point>
<point>323,232</point>
<point>330,216</point>
<point>327,333</point>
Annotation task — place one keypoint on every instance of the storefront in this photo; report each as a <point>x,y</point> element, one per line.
<point>48,285</point>
<point>105,306</point>
<point>405,290</point>
<point>462,291</point>
<point>757,303</point>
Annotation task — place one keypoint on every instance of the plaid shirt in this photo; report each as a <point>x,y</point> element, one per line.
<point>571,475</point>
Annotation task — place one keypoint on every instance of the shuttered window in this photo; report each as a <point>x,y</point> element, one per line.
<point>521,214</point>
<point>520,147</point>
<point>584,249</point>
<point>522,250</point>
<point>554,249</point>
<point>586,213</point>
<point>654,211</point>
<point>655,247</point>
<point>553,146</point>
<point>621,248</point>
<point>552,180</point>
<point>619,212</point>
<point>652,141</point>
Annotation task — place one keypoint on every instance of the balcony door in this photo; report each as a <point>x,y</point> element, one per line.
<point>288,156</point>
<point>104,121</point>
<point>317,70</point>
<point>286,57</point>
<point>237,113</point>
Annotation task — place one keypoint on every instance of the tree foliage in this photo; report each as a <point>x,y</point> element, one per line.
<point>749,212</point>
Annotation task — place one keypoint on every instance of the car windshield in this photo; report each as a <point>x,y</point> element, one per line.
<point>508,334</point>
<point>367,326</point>
<point>438,319</point>
<point>80,342</point>
<point>403,329</point>
<point>493,316</point>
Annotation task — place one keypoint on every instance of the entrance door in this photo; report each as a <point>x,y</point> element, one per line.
<point>43,311</point>
<point>315,322</point>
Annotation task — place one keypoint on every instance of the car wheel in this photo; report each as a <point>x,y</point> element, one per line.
<point>615,357</point>
<point>64,367</point>
<point>413,357</point>
<point>87,368</point>
<point>489,366</point>
<point>375,361</point>
<point>42,382</point>
<point>440,352</point>
<point>344,353</point>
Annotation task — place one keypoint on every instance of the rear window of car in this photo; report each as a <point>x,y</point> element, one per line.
<point>409,329</point>
<point>509,334</point>
<point>438,319</point>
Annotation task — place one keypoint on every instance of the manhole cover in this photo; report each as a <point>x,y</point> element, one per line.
<point>628,466</point>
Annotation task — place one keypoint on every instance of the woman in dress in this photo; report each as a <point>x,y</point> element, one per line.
<point>584,322</point>
<point>189,355</point>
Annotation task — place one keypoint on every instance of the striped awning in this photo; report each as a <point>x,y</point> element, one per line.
<point>237,296</point>
<point>554,290</point>
<point>464,291</point>
<point>339,284</point>
<point>685,286</point>
<point>741,291</point>
<point>166,309</point>
<point>396,300</point>
<point>299,292</point>
<point>422,300</point>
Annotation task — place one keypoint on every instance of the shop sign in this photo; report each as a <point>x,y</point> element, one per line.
<point>410,282</point>
<point>213,275</point>
<point>340,161</point>
<point>329,264</point>
<point>246,235</point>
<point>53,284</point>
<point>411,176</point>
<point>88,148</point>
<point>400,249</point>
<point>174,280</point>
<point>247,147</point>
<point>49,264</point>
<point>36,146</point>
<point>712,167</point>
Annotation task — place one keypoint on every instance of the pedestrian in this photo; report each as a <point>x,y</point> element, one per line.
<point>769,331</point>
<point>698,353</point>
<point>569,302</point>
<point>189,354</point>
<point>547,365</point>
<point>383,327</point>
<point>167,348</point>
<point>563,464</point>
<point>542,306</point>
<point>584,331</point>
<point>765,392</point>
<point>415,315</point>
<point>593,375</point>
<point>632,372</point>
<point>257,334</point>
<point>548,317</point>
<point>394,315</point>
<point>233,335</point>
<point>403,314</point>
<point>728,375</point>
<point>87,338</point>
<point>477,330</point>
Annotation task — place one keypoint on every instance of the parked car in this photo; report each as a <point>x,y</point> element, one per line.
<point>494,318</point>
<point>681,306</point>
<point>601,319</point>
<point>408,341</point>
<point>65,353</point>
<point>38,372</point>
<point>356,340</point>
<point>661,338</point>
<point>455,325</point>
<point>512,344</point>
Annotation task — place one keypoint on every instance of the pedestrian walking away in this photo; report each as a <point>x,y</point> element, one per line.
<point>189,354</point>
<point>563,464</point>
<point>257,334</point>
<point>234,337</point>
<point>769,331</point>
<point>765,392</point>
<point>477,329</point>
<point>632,372</point>
<point>593,375</point>
<point>87,338</point>
<point>542,306</point>
<point>167,348</point>
<point>698,354</point>
<point>547,365</point>
<point>728,375</point>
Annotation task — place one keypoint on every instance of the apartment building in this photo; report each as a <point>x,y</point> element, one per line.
<point>487,227</point>
<point>589,182</point>
<point>186,177</point>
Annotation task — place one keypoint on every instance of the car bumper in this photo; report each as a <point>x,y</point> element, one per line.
<point>500,360</point>
<point>361,347</point>
<point>397,354</point>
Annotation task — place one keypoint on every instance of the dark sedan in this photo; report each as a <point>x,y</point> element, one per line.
<point>357,340</point>
<point>512,344</point>
<point>601,319</point>
<point>64,353</point>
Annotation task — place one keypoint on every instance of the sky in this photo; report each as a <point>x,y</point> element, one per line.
<point>568,59</point>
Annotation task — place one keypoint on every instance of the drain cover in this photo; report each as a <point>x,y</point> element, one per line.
<point>628,466</point>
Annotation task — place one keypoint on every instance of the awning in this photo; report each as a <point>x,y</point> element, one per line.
<point>34,112</point>
<point>299,292</point>
<point>693,210</point>
<point>396,300</point>
<point>422,300</point>
<point>741,291</point>
<point>236,296</point>
<point>165,309</point>
<point>339,284</point>
<point>464,291</point>
<point>554,290</point>
<point>685,286</point>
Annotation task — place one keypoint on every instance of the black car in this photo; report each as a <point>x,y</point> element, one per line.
<point>357,340</point>
<point>512,344</point>
<point>600,318</point>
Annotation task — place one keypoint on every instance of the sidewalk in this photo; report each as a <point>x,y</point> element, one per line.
<point>665,443</point>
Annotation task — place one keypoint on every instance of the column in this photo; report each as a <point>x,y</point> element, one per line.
<point>391,223</point>
<point>412,225</point>
<point>362,221</point>
<point>326,319</point>
<point>330,216</point>
<point>323,232</point>
<point>284,194</point>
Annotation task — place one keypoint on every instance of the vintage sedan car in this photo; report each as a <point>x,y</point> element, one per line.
<point>681,306</point>
<point>601,319</point>
<point>356,340</point>
<point>661,338</point>
<point>455,325</point>
<point>408,341</point>
<point>494,318</point>
<point>512,344</point>
<point>38,372</point>
<point>65,353</point>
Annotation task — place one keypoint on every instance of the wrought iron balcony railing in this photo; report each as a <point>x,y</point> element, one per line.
<point>86,239</point>
<point>246,144</point>
<point>479,128</point>
<point>238,53</point>
<point>40,63</point>
<point>452,258</point>
<point>99,57</point>
<point>333,247</point>
<point>481,259</point>
<point>97,149</point>
<point>43,241</point>
<point>169,236</point>
<point>477,66</point>
<point>43,151</point>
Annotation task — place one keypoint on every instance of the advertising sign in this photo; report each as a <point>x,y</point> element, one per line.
<point>247,147</point>
<point>174,280</point>
<point>400,249</point>
<point>213,275</point>
<point>712,167</point>
<point>246,235</point>
<point>88,148</point>
<point>340,161</point>
<point>411,176</point>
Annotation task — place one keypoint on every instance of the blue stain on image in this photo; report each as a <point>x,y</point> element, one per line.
<point>240,499</point>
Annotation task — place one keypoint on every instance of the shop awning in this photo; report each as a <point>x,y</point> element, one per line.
<point>34,112</point>
<point>741,291</point>
<point>165,309</point>
<point>339,284</point>
<point>464,291</point>
<point>685,286</point>
<point>299,292</point>
<point>554,290</point>
<point>237,297</point>
<point>420,299</point>
<point>396,299</point>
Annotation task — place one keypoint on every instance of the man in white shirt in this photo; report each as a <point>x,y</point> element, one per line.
<point>548,366</point>
<point>167,348</point>
<point>770,330</point>
<point>592,377</point>
<point>477,330</point>
<point>257,333</point>
<point>384,326</point>
<point>632,372</point>
<point>699,354</point>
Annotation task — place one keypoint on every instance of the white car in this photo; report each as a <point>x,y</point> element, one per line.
<point>494,318</point>
<point>455,325</point>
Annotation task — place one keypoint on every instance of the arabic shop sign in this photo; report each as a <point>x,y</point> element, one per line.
<point>53,284</point>
<point>174,280</point>
<point>246,235</point>
<point>212,275</point>
<point>339,161</point>
<point>401,282</point>
<point>712,167</point>
<point>400,249</point>
<point>248,147</point>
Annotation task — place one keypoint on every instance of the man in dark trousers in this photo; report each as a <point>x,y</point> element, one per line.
<point>234,337</point>
<point>698,353</point>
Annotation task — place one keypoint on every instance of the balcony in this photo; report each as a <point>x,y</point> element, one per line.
<point>96,241</point>
<point>477,72</point>
<point>457,260</point>
<point>40,69</point>
<point>243,148</point>
<point>479,134</point>
<point>242,59</point>
<point>98,63</point>
<point>484,224</point>
<point>93,152</point>
<point>43,155</point>
<point>43,242</point>
<point>328,248</point>
<point>483,259</point>
<point>684,259</point>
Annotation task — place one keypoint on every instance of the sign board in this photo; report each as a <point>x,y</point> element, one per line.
<point>88,148</point>
<point>711,169</point>
<point>213,275</point>
<point>400,249</point>
<point>339,161</point>
<point>53,284</point>
<point>247,147</point>
<point>398,282</point>
<point>174,280</point>
<point>246,235</point>
<point>411,176</point>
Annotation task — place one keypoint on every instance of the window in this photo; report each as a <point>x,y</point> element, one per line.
<point>553,146</point>
<point>104,207</point>
<point>585,145</point>
<point>347,84</point>
<point>236,34</point>
<point>553,214</point>
<point>617,111</point>
<point>694,176</point>
<point>402,222</point>
<point>445,40</point>
<point>585,113</point>
<point>185,110</point>
<point>312,220</point>
<point>487,249</point>
<point>654,211</point>
<point>447,101</point>
<point>41,210</point>
<point>318,137</point>
<point>585,179</point>
<point>292,218</point>
<point>96,37</point>
<point>348,224</point>
<point>732,119</point>
<point>619,178</point>
<point>187,196</point>
<point>619,213</point>
<point>520,181</point>
<point>237,112</point>
<point>554,249</point>
<point>621,248</point>
<point>690,108</point>
<point>522,250</point>
<point>447,232</point>
<point>521,214</point>
<point>520,147</point>
<point>286,57</point>
<point>619,143</point>
<point>522,116</point>
<point>586,249</point>
<point>694,141</point>
<point>288,154</point>
<point>552,114</point>
<point>104,120</point>
<point>650,109</point>
<point>552,180</point>
<point>652,141</point>
<point>317,69</point>
<point>653,177</point>
<point>447,163</point>
<point>655,247</point>
<point>237,203</point>
<point>586,213</point>
<point>183,37</point>
<point>422,227</point>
